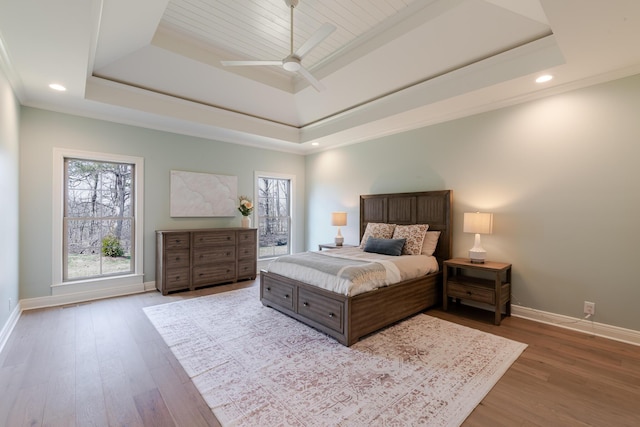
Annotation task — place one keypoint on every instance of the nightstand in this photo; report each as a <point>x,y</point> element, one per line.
<point>495,291</point>
<point>333,246</point>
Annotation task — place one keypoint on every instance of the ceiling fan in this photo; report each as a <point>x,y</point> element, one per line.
<point>293,61</point>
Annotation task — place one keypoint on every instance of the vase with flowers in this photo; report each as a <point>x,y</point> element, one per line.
<point>245,208</point>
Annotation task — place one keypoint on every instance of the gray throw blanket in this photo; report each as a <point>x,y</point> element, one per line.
<point>354,271</point>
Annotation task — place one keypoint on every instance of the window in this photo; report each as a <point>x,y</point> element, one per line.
<point>274,214</point>
<point>97,221</point>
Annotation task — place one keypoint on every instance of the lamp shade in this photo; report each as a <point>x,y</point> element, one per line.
<point>339,218</point>
<point>478,222</point>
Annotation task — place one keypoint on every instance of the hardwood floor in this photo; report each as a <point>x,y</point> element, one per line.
<point>102,363</point>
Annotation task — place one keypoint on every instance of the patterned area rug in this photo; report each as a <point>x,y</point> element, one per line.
<point>257,367</point>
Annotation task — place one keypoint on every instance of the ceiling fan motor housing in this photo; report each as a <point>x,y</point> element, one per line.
<point>291,63</point>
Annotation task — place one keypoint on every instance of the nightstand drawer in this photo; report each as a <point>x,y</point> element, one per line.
<point>475,293</point>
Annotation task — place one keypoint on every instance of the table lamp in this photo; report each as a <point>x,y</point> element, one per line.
<point>478,223</point>
<point>339,219</point>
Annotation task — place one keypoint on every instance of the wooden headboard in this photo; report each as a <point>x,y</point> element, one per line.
<point>425,207</point>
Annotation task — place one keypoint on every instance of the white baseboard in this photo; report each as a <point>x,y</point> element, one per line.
<point>78,297</point>
<point>8,327</point>
<point>616,333</point>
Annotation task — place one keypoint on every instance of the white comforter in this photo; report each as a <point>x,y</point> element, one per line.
<point>396,269</point>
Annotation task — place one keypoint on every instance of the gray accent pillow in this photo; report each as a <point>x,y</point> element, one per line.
<point>384,246</point>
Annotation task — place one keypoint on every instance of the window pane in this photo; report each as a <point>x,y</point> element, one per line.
<point>98,219</point>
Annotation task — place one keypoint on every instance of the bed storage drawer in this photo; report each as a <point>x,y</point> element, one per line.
<point>280,294</point>
<point>321,309</point>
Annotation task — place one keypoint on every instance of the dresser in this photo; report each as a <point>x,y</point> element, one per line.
<point>190,259</point>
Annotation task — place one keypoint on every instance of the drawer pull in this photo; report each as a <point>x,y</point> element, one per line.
<point>331,315</point>
<point>306,304</point>
<point>286,296</point>
<point>268,289</point>
<point>228,253</point>
<point>469,293</point>
<point>178,241</point>
<point>177,258</point>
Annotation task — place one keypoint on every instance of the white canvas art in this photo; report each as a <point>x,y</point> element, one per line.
<point>203,194</point>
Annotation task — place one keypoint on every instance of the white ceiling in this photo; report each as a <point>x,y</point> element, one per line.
<point>390,66</point>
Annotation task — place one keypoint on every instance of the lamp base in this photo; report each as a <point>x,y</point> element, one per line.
<point>339,239</point>
<point>477,254</point>
<point>477,257</point>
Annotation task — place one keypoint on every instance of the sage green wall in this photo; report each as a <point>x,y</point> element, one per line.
<point>42,130</point>
<point>561,175</point>
<point>9,125</point>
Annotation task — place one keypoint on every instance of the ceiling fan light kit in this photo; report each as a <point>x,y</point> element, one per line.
<point>293,62</point>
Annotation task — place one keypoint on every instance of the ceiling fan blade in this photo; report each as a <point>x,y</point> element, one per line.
<point>242,63</point>
<point>315,39</point>
<point>314,82</point>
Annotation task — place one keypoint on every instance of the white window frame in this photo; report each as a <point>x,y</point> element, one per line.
<point>127,283</point>
<point>292,180</point>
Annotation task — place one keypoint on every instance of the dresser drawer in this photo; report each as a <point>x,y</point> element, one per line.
<point>214,274</point>
<point>177,278</point>
<point>247,237</point>
<point>246,251</point>
<point>176,241</point>
<point>323,310</point>
<point>207,238</point>
<point>177,258</point>
<point>279,294</point>
<point>214,255</point>
<point>247,269</point>
<point>467,291</point>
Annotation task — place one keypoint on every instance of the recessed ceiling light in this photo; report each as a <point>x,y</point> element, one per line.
<point>58,87</point>
<point>315,143</point>
<point>543,79</point>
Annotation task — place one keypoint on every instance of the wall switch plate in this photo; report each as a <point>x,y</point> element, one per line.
<point>589,307</point>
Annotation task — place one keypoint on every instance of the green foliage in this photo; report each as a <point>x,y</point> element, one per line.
<point>111,246</point>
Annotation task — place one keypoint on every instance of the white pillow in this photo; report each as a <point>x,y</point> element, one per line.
<point>430,243</point>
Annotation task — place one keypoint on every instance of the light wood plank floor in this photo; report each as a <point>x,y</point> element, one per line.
<point>102,364</point>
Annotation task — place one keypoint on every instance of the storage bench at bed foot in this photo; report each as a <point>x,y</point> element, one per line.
<point>326,311</point>
<point>279,294</point>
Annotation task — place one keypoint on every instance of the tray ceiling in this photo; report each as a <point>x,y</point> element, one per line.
<point>390,65</point>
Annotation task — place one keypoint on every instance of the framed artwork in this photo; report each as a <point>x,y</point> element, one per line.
<point>196,194</point>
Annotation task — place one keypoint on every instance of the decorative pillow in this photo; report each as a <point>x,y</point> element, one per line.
<point>384,246</point>
<point>430,243</point>
<point>415,237</point>
<point>378,230</point>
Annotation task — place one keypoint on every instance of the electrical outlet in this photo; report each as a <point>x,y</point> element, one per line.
<point>589,308</point>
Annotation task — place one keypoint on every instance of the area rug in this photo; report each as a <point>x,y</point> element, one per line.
<point>257,367</point>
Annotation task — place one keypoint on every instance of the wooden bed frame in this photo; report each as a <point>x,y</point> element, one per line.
<point>347,319</point>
